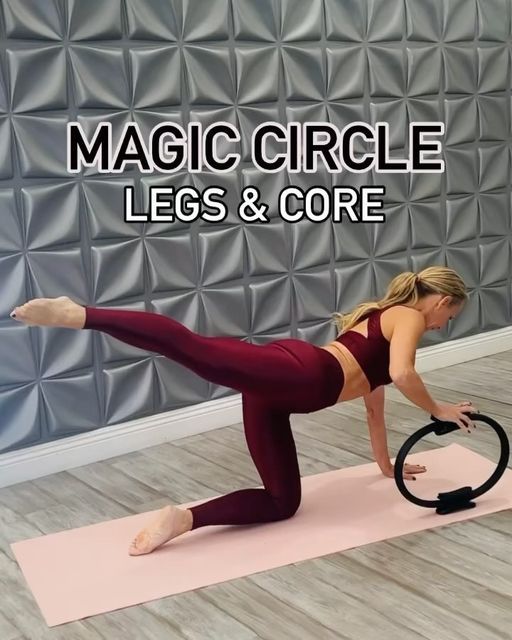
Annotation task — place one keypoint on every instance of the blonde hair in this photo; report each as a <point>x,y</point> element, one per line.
<point>407,288</point>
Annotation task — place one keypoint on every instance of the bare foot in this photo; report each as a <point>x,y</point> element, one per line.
<point>51,312</point>
<point>169,523</point>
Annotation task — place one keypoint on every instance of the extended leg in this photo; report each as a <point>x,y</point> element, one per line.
<point>288,373</point>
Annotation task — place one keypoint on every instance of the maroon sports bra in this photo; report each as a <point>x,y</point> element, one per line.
<point>372,352</point>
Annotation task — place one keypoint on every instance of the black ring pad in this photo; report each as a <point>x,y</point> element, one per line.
<point>458,499</point>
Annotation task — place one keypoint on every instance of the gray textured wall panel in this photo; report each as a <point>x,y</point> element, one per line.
<point>243,62</point>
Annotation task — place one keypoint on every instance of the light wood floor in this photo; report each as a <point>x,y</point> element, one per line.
<point>454,582</point>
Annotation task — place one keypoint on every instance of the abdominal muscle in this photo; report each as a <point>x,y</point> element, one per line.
<point>355,382</point>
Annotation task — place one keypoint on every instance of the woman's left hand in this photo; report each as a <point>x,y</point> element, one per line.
<point>409,471</point>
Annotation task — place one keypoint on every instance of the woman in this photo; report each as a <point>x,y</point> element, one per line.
<point>376,346</point>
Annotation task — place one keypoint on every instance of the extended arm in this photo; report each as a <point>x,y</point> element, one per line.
<point>402,357</point>
<point>374,402</point>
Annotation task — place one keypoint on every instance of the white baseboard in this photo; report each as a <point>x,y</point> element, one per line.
<point>75,451</point>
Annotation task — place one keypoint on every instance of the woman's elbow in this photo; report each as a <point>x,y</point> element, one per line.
<point>401,376</point>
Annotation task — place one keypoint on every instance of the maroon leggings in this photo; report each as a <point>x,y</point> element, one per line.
<point>275,379</point>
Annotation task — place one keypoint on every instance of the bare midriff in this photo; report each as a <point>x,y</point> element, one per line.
<point>355,382</point>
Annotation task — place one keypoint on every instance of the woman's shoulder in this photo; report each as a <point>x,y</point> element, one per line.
<point>400,314</point>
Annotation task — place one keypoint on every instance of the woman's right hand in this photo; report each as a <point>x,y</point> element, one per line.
<point>457,413</point>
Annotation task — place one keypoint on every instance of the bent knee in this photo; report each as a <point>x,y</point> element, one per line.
<point>287,508</point>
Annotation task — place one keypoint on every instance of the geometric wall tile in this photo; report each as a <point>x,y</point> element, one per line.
<point>71,404</point>
<point>423,70</point>
<point>354,283</point>
<point>428,225</point>
<point>19,408</point>
<point>394,234</point>
<point>461,167</point>
<point>310,244</point>
<point>94,20</point>
<point>461,219</point>
<point>151,20</point>
<point>346,71</point>
<point>313,295</point>
<point>63,351</point>
<point>461,120</point>
<point>463,260</point>
<point>493,116</point>
<point>303,74</point>
<point>494,261</point>
<point>301,21</point>
<point>460,69</point>
<point>493,69</point>
<point>386,269</point>
<point>51,214</point>
<point>104,209</point>
<point>459,20</point>
<point>254,22</point>
<point>99,76</point>
<point>6,170</point>
<point>109,282</point>
<point>425,185</point>
<point>386,21</point>
<point>17,363</point>
<point>10,235</point>
<point>215,301</point>
<point>128,390</point>
<point>13,279</point>
<point>57,273</point>
<point>221,255</point>
<point>424,19</point>
<point>492,220</point>
<point>494,168</point>
<point>394,112</point>
<point>31,19</point>
<point>491,20</point>
<point>171,263</point>
<point>351,241</point>
<point>317,334</point>
<point>387,73</point>
<point>38,78</point>
<point>3,95</point>
<point>266,248</point>
<point>396,185</point>
<point>306,112</point>
<point>177,386</point>
<point>495,306</point>
<point>41,145</point>
<point>205,21</point>
<point>257,70</point>
<point>183,307</point>
<point>345,20</point>
<point>147,92</point>
<point>270,304</point>
<point>209,75</point>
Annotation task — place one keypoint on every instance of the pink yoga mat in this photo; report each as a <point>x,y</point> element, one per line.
<point>87,571</point>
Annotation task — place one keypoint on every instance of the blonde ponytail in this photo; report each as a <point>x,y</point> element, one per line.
<point>407,288</point>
